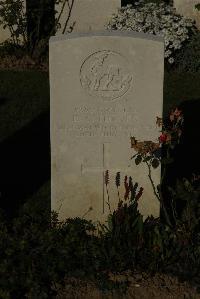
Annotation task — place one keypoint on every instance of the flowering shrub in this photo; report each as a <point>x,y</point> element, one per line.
<point>149,152</point>
<point>158,19</point>
<point>171,132</point>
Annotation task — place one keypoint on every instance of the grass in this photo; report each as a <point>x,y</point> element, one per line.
<point>40,201</point>
<point>23,96</point>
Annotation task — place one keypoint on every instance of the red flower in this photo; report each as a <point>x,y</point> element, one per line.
<point>177,112</point>
<point>163,138</point>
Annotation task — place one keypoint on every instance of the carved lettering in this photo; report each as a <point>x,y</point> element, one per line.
<point>102,122</point>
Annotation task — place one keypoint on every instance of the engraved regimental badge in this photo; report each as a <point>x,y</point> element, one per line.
<point>105,74</point>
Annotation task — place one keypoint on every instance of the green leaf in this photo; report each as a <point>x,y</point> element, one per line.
<point>197,6</point>
<point>133,156</point>
<point>140,224</point>
<point>155,163</point>
<point>110,223</point>
<point>187,185</point>
<point>138,160</point>
<point>146,159</point>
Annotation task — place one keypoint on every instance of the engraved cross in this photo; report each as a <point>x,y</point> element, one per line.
<point>105,166</point>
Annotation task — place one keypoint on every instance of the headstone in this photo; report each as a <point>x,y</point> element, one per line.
<point>4,34</point>
<point>104,88</point>
<point>86,15</point>
<point>187,9</point>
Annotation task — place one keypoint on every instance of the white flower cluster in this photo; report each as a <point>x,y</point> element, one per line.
<point>158,19</point>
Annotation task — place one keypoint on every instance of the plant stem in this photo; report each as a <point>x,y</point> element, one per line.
<point>152,183</point>
<point>59,16</point>
<point>118,193</point>
<point>108,202</point>
<point>69,15</point>
<point>158,195</point>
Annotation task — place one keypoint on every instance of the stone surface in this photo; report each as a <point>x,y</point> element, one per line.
<point>4,34</point>
<point>187,9</point>
<point>104,88</point>
<point>87,15</point>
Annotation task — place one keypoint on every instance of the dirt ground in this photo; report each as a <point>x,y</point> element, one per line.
<point>25,63</point>
<point>140,286</point>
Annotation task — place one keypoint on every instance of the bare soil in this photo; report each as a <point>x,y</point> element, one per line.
<point>140,286</point>
<point>24,63</point>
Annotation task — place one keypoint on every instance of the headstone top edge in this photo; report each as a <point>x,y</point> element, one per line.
<point>107,33</point>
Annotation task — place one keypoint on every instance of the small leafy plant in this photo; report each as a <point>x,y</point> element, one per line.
<point>14,17</point>
<point>197,6</point>
<point>185,194</point>
<point>125,225</point>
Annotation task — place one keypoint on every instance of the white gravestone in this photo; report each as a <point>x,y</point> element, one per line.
<point>104,88</point>
<point>86,15</point>
<point>4,34</point>
<point>187,9</point>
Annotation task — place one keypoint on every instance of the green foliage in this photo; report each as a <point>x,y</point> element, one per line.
<point>13,17</point>
<point>188,197</point>
<point>37,251</point>
<point>138,159</point>
<point>36,254</point>
<point>122,238</point>
<point>153,154</point>
<point>11,49</point>
<point>188,58</point>
<point>197,6</point>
